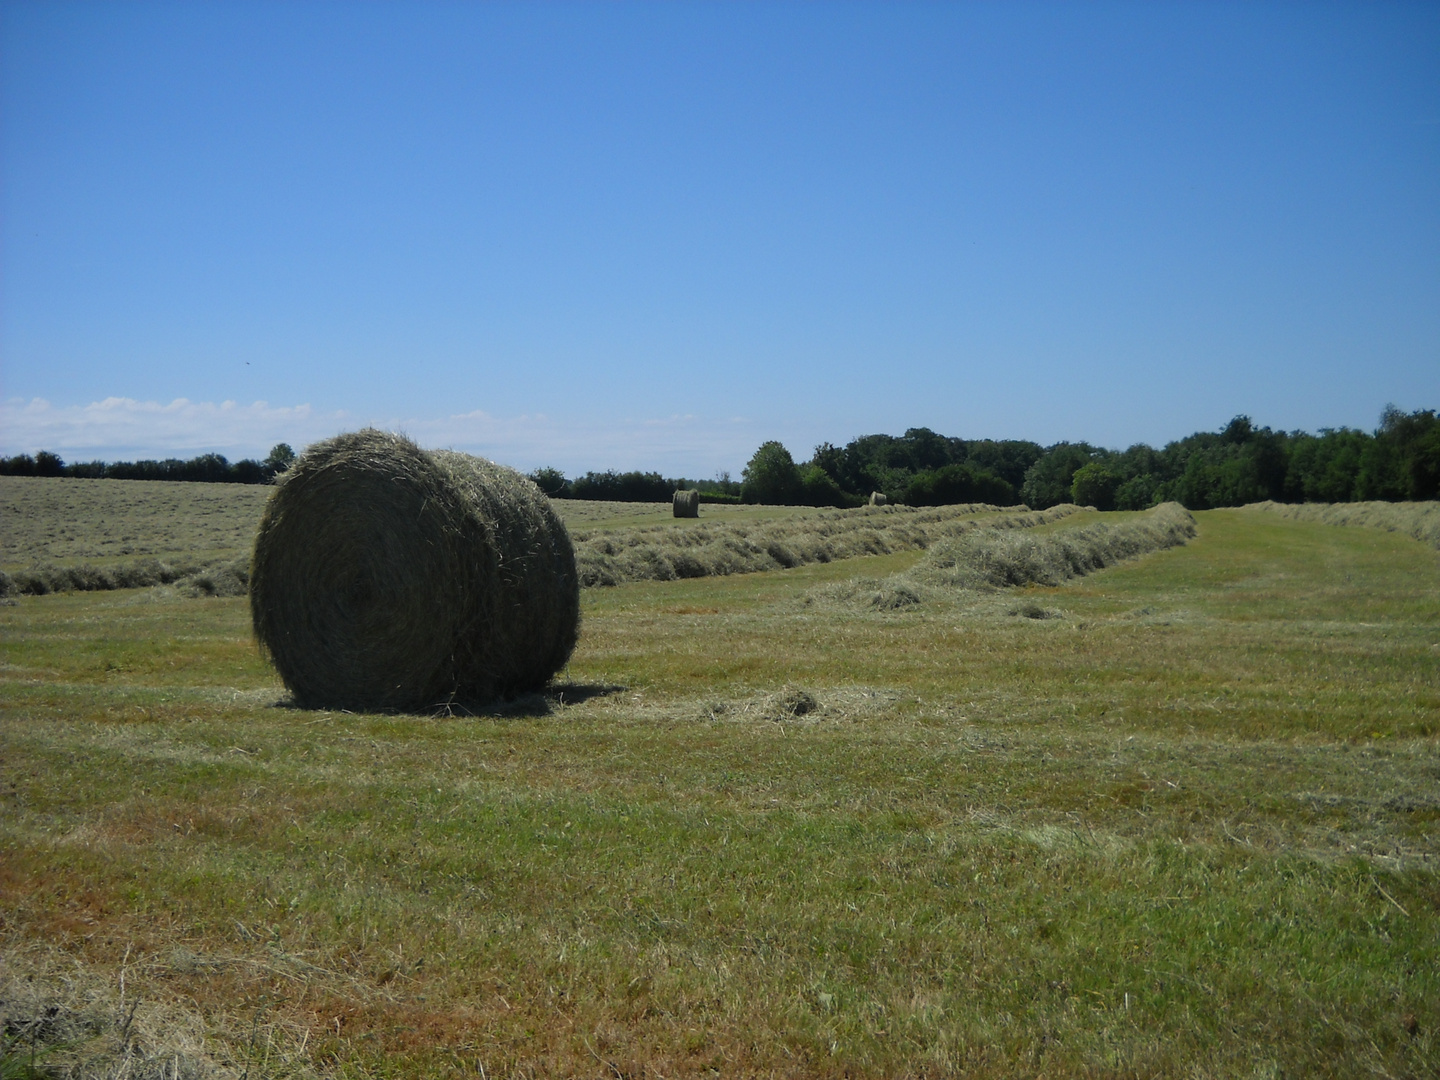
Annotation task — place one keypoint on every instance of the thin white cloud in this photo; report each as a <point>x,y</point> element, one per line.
<point>119,428</point>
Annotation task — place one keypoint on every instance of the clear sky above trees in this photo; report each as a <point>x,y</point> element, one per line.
<point>657,235</point>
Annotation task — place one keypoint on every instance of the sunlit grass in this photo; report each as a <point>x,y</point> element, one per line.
<point>1189,828</point>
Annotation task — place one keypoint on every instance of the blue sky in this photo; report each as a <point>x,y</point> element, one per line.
<point>656,235</point>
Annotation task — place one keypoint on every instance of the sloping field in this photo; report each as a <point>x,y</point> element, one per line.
<point>1185,824</point>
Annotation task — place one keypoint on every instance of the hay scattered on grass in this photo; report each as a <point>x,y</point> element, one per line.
<point>793,702</point>
<point>386,577</point>
<point>1418,519</point>
<point>59,1027</point>
<point>713,549</point>
<point>1032,610</point>
<point>687,503</point>
<point>829,705</point>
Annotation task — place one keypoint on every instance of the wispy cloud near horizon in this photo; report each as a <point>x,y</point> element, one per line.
<point>119,428</point>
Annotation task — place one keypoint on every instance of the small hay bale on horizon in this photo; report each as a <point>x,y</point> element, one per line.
<point>386,577</point>
<point>879,498</point>
<point>686,503</point>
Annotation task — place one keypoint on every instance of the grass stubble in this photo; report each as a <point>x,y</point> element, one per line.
<point>1185,824</point>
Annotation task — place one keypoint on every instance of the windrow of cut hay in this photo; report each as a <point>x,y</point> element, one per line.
<point>1418,519</point>
<point>387,577</point>
<point>985,560</point>
<point>665,553</point>
<point>217,579</point>
<point>994,560</point>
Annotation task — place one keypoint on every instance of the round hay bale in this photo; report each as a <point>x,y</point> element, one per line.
<point>386,577</point>
<point>878,498</point>
<point>687,503</point>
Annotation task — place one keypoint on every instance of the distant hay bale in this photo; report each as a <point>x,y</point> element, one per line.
<point>878,498</point>
<point>386,577</point>
<point>687,503</point>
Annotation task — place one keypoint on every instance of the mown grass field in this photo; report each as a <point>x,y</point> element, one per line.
<point>1189,827</point>
<point>63,522</point>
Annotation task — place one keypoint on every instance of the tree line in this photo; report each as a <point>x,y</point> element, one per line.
<point>614,486</point>
<point>1239,464</point>
<point>207,468</point>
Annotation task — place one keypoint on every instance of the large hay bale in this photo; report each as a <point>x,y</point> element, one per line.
<point>386,577</point>
<point>878,498</point>
<point>687,503</point>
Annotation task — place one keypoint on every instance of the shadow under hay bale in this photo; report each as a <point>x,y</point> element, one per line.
<point>687,503</point>
<point>387,577</point>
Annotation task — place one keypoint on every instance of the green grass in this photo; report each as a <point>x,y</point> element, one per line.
<point>1190,828</point>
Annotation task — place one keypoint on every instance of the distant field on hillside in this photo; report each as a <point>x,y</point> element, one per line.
<point>66,521</point>
<point>1176,818</point>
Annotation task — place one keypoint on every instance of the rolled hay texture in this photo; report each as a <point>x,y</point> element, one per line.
<point>878,498</point>
<point>687,503</point>
<point>387,577</point>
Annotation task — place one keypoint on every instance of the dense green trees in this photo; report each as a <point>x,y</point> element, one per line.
<point>919,467</point>
<point>950,484</point>
<point>1239,464</point>
<point>771,477</point>
<point>1094,484</point>
<point>612,486</point>
<point>1244,463</point>
<point>207,468</point>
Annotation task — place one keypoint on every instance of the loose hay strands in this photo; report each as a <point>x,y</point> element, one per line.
<point>687,503</point>
<point>388,577</point>
<point>1418,519</point>
<point>664,553</point>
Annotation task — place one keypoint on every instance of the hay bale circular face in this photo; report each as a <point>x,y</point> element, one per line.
<point>687,503</point>
<point>386,577</point>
